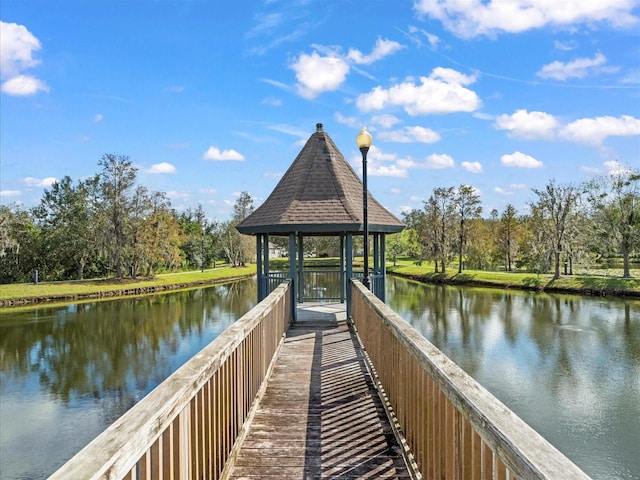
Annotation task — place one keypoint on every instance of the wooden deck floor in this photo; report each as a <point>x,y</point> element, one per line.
<point>320,416</point>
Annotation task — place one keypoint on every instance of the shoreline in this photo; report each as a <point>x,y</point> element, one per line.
<point>539,288</point>
<point>121,290</point>
<point>116,292</point>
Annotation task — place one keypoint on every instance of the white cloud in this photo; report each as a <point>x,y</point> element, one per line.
<point>39,182</point>
<point>10,193</point>
<point>439,161</point>
<point>578,68</point>
<point>382,48</point>
<point>502,191</point>
<point>441,92</point>
<point>214,153</point>
<point>16,55</point>
<point>386,120</point>
<point>471,18</point>
<point>271,101</point>
<point>592,131</point>
<point>163,167</point>
<point>98,118</point>
<point>23,85</point>
<point>565,46</point>
<point>410,135</point>
<point>382,164</point>
<point>350,121</point>
<point>16,50</point>
<point>616,168</point>
<point>528,125</point>
<point>590,170</point>
<point>316,74</point>
<point>178,196</point>
<point>473,167</point>
<point>520,160</point>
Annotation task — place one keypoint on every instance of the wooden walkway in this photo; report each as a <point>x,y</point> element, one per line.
<point>320,416</point>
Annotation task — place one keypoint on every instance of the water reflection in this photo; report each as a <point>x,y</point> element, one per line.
<point>68,372</point>
<point>568,365</point>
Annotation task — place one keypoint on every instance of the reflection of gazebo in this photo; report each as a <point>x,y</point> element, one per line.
<point>319,195</point>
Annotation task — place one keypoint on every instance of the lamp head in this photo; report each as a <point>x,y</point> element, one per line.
<point>363,139</point>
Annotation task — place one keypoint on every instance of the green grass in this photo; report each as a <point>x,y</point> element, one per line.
<point>591,284</point>
<point>606,283</point>
<point>57,290</point>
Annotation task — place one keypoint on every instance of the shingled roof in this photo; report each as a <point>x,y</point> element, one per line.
<point>320,194</point>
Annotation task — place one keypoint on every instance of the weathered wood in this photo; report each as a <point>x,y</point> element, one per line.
<point>320,415</point>
<point>203,402</point>
<point>502,445</point>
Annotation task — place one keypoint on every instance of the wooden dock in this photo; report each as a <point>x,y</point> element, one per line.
<point>320,416</point>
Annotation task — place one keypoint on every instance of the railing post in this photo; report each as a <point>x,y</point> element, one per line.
<point>184,445</point>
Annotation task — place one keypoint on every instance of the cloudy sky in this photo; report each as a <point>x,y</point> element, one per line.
<point>209,99</point>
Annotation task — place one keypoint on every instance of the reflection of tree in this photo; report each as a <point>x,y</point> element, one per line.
<point>581,343</point>
<point>112,348</point>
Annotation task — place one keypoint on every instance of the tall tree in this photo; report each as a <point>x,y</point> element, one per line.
<point>20,251</point>
<point>197,230</point>
<point>556,203</point>
<point>440,210</point>
<point>615,200</point>
<point>238,248</point>
<point>507,234</point>
<point>161,236</point>
<point>117,180</point>
<point>467,207</point>
<point>65,216</point>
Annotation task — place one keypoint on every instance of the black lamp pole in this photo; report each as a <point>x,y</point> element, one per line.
<point>364,142</point>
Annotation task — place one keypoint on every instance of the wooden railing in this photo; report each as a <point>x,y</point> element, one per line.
<point>454,428</point>
<point>187,426</point>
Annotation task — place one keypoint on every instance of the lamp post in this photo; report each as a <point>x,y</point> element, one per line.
<point>363,139</point>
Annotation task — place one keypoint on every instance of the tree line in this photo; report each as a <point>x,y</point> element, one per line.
<point>109,225</point>
<point>566,225</point>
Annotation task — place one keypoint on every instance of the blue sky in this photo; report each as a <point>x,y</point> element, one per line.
<point>212,98</point>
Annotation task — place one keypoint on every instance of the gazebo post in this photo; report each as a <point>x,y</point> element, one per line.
<point>260,272</point>
<point>342,272</point>
<point>292,273</point>
<point>300,268</point>
<point>265,264</point>
<point>383,262</point>
<point>349,252</point>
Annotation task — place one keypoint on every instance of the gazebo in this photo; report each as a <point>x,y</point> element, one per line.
<point>319,195</point>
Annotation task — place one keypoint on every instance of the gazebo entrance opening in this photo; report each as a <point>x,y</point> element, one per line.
<point>327,280</point>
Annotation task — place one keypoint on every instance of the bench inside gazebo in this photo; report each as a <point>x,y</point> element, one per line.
<point>320,195</point>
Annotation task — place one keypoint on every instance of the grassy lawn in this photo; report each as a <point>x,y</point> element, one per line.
<point>57,290</point>
<point>592,284</point>
<point>609,282</point>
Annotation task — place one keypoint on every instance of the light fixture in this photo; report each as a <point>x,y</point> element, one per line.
<point>363,139</point>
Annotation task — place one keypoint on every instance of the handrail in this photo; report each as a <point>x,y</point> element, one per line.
<point>453,426</point>
<point>186,427</point>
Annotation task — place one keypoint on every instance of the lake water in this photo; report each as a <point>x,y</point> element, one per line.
<point>568,365</point>
<point>68,372</point>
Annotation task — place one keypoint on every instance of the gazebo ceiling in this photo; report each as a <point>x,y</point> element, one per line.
<point>320,194</point>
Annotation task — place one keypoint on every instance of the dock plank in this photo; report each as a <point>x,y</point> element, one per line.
<point>320,416</point>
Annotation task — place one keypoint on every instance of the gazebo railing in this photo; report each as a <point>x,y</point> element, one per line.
<point>322,284</point>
